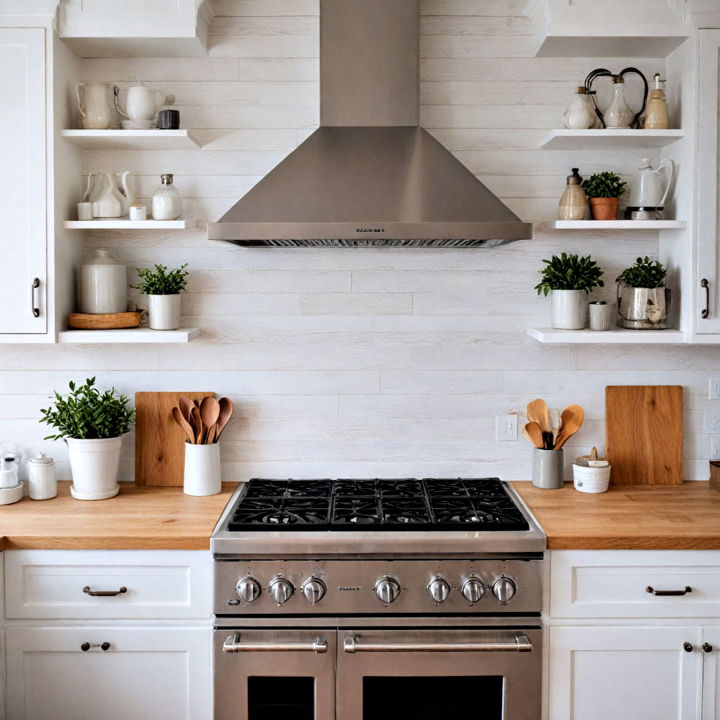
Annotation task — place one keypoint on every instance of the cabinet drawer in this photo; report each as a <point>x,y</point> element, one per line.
<point>64,584</point>
<point>614,584</point>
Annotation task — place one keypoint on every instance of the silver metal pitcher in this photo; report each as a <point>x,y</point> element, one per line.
<point>642,308</point>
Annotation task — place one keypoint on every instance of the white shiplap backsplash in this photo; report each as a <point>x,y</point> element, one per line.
<point>374,361</point>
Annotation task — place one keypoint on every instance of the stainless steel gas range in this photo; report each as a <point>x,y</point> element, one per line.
<point>356,599</point>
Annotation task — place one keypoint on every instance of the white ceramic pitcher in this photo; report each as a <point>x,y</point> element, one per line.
<point>142,103</point>
<point>106,203</point>
<point>93,104</point>
<point>124,191</point>
<point>650,187</point>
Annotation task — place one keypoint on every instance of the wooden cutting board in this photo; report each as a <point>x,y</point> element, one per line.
<point>159,442</point>
<point>644,434</point>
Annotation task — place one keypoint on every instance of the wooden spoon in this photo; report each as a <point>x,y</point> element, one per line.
<point>197,425</point>
<point>184,424</point>
<point>572,420</point>
<point>535,433</point>
<point>209,413</point>
<point>537,411</point>
<point>226,410</point>
<point>186,405</point>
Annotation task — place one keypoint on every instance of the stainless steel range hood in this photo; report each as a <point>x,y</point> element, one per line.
<point>369,175</point>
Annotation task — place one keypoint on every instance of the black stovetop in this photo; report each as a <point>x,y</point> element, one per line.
<point>405,504</point>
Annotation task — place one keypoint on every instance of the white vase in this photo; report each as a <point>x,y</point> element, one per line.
<point>202,470</point>
<point>102,284</point>
<point>94,465</point>
<point>568,309</point>
<point>164,312</point>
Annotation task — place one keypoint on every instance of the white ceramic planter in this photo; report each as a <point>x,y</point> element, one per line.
<point>202,469</point>
<point>568,309</point>
<point>94,465</point>
<point>164,312</point>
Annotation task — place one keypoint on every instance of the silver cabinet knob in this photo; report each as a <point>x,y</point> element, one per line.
<point>504,589</point>
<point>387,589</point>
<point>280,590</point>
<point>248,590</point>
<point>438,589</point>
<point>314,590</point>
<point>472,589</point>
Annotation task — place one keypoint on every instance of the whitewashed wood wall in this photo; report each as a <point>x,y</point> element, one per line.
<point>365,362</point>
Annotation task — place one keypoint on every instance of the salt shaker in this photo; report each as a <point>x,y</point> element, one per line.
<point>42,483</point>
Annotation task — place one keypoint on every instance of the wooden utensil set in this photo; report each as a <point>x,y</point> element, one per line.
<point>548,432</point>
<point>202,421</point>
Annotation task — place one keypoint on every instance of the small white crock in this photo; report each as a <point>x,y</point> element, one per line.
<point>94,464</point>
<point>202,470</point>
<point>42,482</point>
<point>164,312</point>
<point>568,309</point>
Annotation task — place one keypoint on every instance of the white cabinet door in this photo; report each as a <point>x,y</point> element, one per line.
<point>23,246</point>
<point>711,673</point>
<point>643,673</point>
<point>707,220</point>
<point>146,673</point>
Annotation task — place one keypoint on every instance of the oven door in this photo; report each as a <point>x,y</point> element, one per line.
<point>441,672</point>
<point>275,674</point>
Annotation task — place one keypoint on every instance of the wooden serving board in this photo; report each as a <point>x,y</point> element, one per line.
<point>104,321</point>
<point>159,442</point>
<point>644,434</point>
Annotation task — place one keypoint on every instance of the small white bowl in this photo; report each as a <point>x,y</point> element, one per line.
<point>11,494</point>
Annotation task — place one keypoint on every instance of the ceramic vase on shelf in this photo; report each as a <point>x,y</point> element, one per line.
<point>102,284</point>
<point>94,464</point>
<point>619,114</point>
<point>580,113</point>
<point>164,312</point>
<point>656,113</point>
<point>573,202</point>
<point>568,309</point>
<point>106,198</point>
<point>93,104</point>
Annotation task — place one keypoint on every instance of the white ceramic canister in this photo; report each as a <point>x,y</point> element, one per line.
<point>103,284</point>
<point>568,309</point>
<point>202,470</point>
<point>591,479</point>
<point>164,312</point>
<point>42,482</point>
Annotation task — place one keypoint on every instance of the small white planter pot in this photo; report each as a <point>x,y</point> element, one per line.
<point>202,470</point>
<point>164,312</point>
<point>94,465</point>
<point>568,309</point>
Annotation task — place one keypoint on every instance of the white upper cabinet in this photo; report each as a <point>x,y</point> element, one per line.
<point>611,28</point>
<point>23,178</point>
<point>135,28</point>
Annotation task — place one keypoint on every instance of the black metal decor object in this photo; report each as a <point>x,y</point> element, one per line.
<point>604,72</point>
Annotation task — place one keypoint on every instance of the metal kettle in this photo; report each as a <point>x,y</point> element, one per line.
<point>650,187</point>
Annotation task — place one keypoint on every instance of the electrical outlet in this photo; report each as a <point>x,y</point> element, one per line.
<point>506,428</point>
<point>715,447</point>
<point>714,388</point>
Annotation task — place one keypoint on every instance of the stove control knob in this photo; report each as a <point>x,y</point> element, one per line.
<point>248,590</point>
<point>387,589</point>
<point>314,590</point>
<point>504,589</point>
<point>280,590</point>
<point>472,589</point>
<point>438,589</point>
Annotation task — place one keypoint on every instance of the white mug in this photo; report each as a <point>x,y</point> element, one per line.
<point>142,103</point>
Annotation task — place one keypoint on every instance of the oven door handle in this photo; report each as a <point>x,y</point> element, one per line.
<point>515,643</point>
<point>232,644</point>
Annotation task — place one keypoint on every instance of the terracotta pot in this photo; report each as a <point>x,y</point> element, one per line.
<point>604,208</point>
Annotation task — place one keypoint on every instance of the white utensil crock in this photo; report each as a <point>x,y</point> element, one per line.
<point>103,284</point>
<point>164,312</point>
<point>202,470</point>
<point>94,464</point>
<point>568,309</point>
<point>547,469</point>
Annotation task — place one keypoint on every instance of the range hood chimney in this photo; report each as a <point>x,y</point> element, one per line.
<point>369,175</point>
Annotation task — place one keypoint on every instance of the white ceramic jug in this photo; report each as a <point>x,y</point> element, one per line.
<point>142,103</point>
<point>94,106</point>
<point>124,194</point>
<point>650,187</point>
<point>106,203</point>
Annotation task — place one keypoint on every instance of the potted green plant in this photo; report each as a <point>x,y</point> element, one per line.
<point>92,423</point>
<point>643,299</point>
<point>604,190</point>
<point>568,279</point>
<point>163,288</point>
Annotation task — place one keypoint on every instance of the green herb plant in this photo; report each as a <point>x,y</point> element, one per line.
<point>569,272</point>
<point>645,273</point>
<point>161,281</point>
<point>604,185</point>
<point>86,413</point>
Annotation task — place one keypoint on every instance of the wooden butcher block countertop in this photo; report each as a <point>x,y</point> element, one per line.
<point>139,518</point>
<point>628,517</point>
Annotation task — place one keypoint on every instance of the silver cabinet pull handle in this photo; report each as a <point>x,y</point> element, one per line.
<point>90,646</point>
<point>104,593</point>
<point>232,644</point>
<point>668,593</point>
<point>516,643</point>
<point>33,303</point>
<point>706,310</point>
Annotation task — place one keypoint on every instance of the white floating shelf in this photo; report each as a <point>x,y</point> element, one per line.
<point>619,224</point>
<point>603,139</point>
<point>129,335</point>
<point>619,336</point>
<point>132,139</point>
<point>123,224</point>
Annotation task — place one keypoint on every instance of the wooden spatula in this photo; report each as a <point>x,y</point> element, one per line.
<point>209,414</point>
<point>226,410</point>
<point>184,424</point>
<point>572,420</point>
<point>535,434</point>
<point>537,411</point>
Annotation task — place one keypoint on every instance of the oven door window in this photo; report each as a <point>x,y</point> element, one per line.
<point>281,698</point>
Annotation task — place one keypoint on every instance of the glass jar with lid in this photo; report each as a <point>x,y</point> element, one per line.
<point>167,201</point>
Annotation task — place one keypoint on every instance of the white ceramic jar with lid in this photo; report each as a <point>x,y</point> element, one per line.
<point>42,482</point>
<point>103,284</point>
